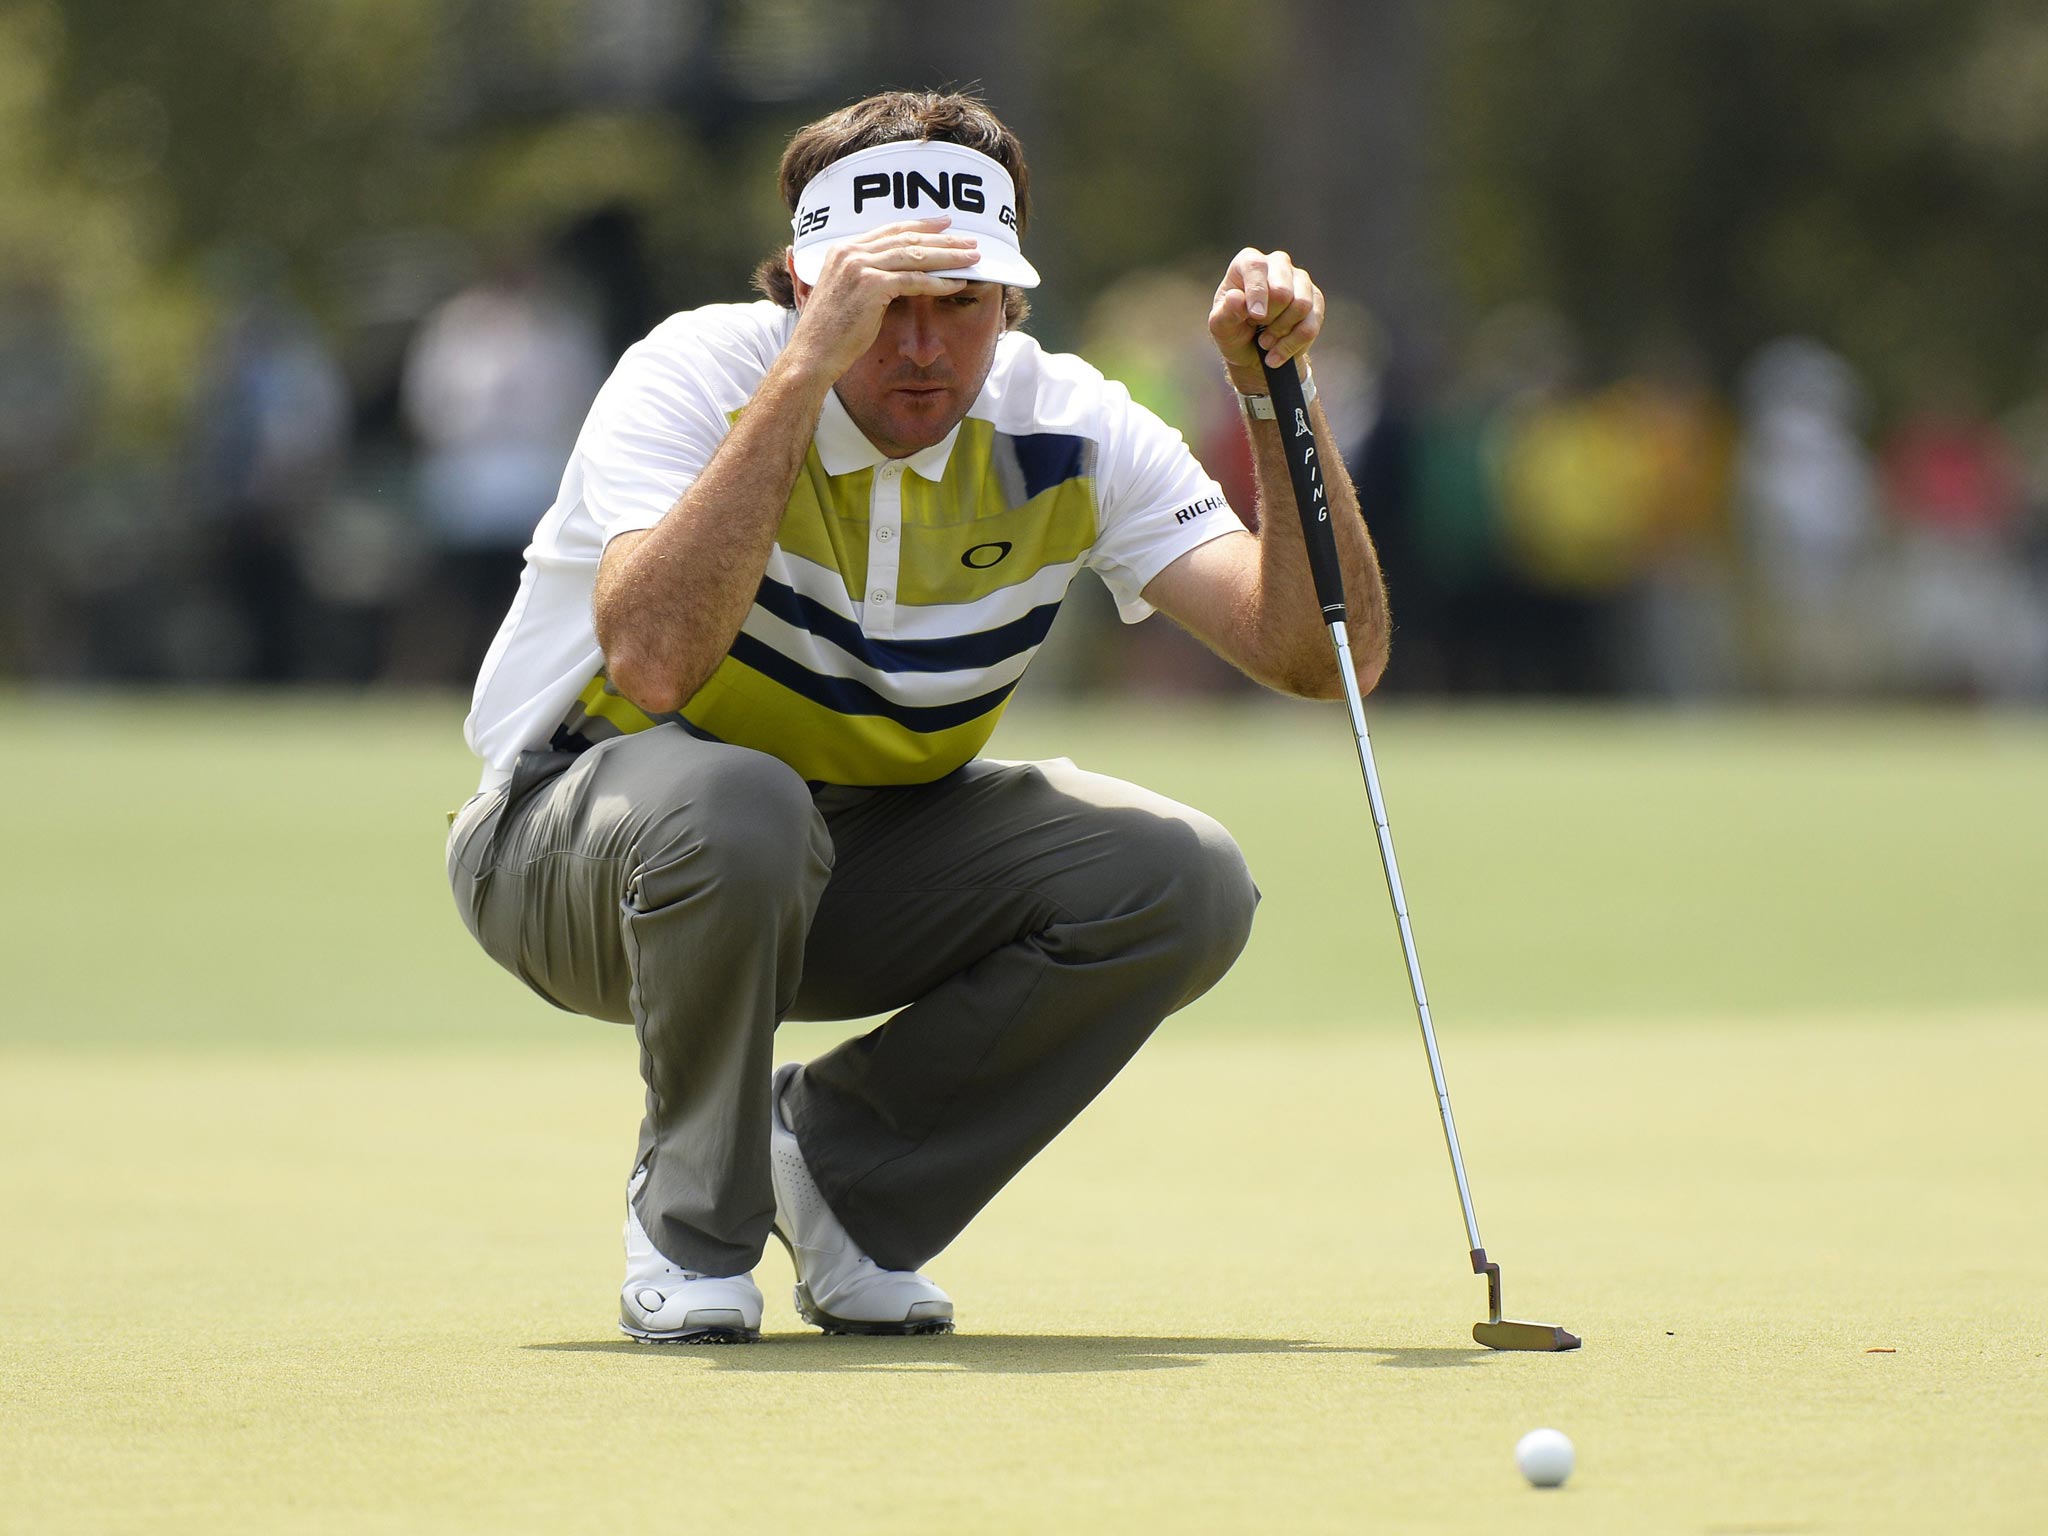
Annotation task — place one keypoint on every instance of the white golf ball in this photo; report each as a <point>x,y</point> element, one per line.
<point>1545,1457</point>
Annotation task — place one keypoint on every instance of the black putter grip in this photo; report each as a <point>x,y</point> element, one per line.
<point>1304,468</point>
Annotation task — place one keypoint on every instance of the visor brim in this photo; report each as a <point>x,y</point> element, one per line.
<point>998,264</point>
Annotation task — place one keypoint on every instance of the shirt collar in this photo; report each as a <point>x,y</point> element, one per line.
<point>844,448</point>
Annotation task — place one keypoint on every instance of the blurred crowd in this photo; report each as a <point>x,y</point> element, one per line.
<point>1649,534</point>
<point>349,498</point>
<point>340,507</point>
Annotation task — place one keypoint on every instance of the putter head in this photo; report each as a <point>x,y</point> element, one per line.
<point>1498,1332</point>
<point>1533,1338</point>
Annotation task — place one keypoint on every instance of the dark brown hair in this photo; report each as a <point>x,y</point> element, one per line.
<point>895,117</point>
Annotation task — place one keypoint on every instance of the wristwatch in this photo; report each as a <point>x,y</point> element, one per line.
<point>1260,407</point>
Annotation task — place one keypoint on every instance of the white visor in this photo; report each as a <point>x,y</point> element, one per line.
<point>914,179</point>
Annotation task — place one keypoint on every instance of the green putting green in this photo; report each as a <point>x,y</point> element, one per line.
<point>311,1216</point>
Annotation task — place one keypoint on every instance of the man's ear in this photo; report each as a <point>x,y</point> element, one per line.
<point>797,285</point>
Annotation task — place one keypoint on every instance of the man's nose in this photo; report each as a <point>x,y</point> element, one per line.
<point>917,339</point>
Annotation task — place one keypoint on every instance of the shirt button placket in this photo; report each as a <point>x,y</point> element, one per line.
<point>885,529</point>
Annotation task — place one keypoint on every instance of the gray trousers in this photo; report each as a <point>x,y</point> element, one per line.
<point>1027,925</point>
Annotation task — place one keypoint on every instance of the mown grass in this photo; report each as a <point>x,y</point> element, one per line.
<point>311,1216</point>
<point>236,871</point>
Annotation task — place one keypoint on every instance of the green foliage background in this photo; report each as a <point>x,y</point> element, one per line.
<point>1714,170</point>
<point>1868,170</point>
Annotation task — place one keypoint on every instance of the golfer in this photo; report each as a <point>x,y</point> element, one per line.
<point>802,553</point>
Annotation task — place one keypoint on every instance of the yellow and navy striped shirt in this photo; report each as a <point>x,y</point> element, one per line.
<point>903,599</point>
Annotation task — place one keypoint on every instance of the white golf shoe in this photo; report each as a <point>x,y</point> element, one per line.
<point>839,1288</point>
<point>663,1303</point>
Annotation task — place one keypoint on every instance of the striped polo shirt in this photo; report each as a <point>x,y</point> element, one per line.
<point>903,598</point>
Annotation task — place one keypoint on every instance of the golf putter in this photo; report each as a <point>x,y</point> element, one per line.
<point>1298,439</point>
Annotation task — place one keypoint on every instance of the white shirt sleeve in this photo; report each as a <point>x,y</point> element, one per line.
<point>1156,502</point>
<point>652,430</point>
<point>659,419</point>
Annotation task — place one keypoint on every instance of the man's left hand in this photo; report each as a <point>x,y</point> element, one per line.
<point>1265,307</point>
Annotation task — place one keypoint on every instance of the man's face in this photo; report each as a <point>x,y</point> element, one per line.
<point>925,369</point>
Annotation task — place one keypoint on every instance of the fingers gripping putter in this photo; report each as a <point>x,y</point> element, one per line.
<point>1311,502</point>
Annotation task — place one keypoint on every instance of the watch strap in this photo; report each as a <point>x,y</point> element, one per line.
<point>1260,407</point>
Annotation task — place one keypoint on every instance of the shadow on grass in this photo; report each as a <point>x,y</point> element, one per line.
<point>1001,1354</point>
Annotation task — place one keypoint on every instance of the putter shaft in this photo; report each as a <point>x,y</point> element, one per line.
<point>1399,897</point>
<point>1311,502</point>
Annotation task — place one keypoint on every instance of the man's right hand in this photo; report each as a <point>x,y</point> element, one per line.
<point>840,316</point>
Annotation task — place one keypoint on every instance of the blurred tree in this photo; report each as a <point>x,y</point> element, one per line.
<point>1730,170</point>
<point>335,134</point>
<point>1343,174</point>
<point>1146,138</point>
<point>1723,170</point>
